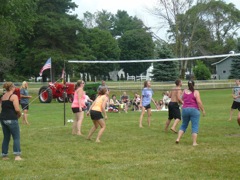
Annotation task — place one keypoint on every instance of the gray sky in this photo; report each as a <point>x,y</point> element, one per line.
<point>133,7</point>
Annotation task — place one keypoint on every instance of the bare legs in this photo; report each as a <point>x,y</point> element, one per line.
<point>141,117</point>
<point>173,128</point>
<point>194,137</point>
<point>238,119</point>
<point>142,114</point>
<point>97,123</point>
<point>231,113</point>
<point>180,133</point>
<point>167,125</point>
<point>149,116</point>
<point>77,124</point>
<point>24,117</point>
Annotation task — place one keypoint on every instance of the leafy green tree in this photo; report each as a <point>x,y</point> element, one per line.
<point>235,73</point>
<point>16,19</point>
<point>122,23</point>
<point>217,29</point>
<point>136,45</point>
<point>166,70</point>
<point>198,30</point>
<point>89,19</point>
<point>57,35</point>
<point>201,72</point>
<point>104,20</point>
<point>102,47</point>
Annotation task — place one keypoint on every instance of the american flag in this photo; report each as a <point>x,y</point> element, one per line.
<point>47,65</point>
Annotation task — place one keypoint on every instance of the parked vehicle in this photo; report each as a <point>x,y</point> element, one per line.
<point>60,92</point>
<point>57,91</point>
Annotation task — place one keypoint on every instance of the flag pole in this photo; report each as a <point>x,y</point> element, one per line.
<point>64,93</point>
<point>51,71</point>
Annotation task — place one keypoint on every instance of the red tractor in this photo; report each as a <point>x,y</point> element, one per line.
<point>57,91</point>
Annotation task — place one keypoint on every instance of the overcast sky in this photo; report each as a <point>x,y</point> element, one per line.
<point>133,7</point>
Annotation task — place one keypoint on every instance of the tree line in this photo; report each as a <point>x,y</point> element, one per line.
<point>34,30</point>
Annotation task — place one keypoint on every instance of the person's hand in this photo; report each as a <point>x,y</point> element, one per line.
<point>204,113</point>
<point>19,114</point>
<point>88,113</point>
<point>29,96</point>
<point>105,117</point>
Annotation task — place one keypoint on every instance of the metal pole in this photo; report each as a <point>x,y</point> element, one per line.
<point>64,94</point>
<point>51,71</point>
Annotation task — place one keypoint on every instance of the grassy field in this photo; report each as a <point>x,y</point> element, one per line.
<point>126,151</point>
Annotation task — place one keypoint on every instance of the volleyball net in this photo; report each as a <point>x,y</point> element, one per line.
<point>163,86</point>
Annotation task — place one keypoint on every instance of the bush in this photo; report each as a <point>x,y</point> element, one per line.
<point>201,72</point>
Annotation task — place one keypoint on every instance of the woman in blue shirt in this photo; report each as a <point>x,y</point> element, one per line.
<point>24,101</point>
<point>145,102</point>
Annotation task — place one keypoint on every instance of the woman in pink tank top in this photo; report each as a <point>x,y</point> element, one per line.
<point>190,111</point>
<point>78,107</point>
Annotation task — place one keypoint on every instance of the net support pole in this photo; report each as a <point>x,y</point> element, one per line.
<point>64,95</point>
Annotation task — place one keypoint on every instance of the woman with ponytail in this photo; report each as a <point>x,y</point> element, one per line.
<point>192,105</point>
<point>78,107</point>
<point>9,121</point>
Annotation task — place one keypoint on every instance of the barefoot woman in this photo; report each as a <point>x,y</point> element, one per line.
<point>78,107</point>
<point>145,102</point>
<point>9,121</point>
<point>190,112</point>
<point>96,110</point>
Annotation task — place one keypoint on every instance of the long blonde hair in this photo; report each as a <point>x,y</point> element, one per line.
<point>24,85</point>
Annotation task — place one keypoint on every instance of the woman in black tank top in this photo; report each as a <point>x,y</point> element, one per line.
<point>9,121</point>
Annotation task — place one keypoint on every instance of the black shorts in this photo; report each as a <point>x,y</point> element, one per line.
<point>77,110</point>
<point>174,111</point>
<point>147,107</point>
<point>25,106</point>
<point>96,115</point>
<point>236,105</point>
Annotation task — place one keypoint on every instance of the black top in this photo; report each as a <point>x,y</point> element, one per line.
<point>8,110</point>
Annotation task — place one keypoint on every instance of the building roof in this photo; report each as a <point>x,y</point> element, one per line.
<point>220,61</point>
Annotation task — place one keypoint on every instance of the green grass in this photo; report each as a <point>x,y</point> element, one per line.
<point>126,151</point>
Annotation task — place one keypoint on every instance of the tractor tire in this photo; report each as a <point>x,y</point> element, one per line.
<point>61,99</point>
<point>70,98</point>
<point>45,94</point>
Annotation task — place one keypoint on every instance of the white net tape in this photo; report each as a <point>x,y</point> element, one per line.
<point>154,60</point>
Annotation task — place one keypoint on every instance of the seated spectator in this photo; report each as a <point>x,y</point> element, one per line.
<point>114,104</point>
<point>88,102</point>
<point>136,102</point>
<point>166,99</point>
<point>160,104</point>
<point>125,100</point>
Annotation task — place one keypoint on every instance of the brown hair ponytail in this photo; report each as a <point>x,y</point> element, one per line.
<point>191,85</point>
